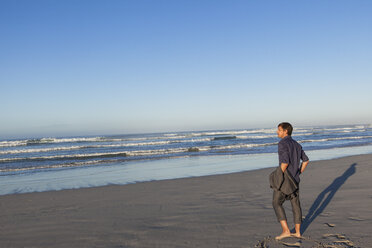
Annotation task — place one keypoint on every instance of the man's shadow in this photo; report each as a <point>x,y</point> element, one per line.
<point>323,199</point>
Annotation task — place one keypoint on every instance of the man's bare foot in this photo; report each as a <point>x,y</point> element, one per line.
<point>297,235</point>
<point>283,235</point>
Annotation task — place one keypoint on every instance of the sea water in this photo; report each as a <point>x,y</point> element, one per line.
<point>55,163</point>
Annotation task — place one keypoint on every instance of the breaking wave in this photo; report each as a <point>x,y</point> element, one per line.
<point>131,153</point>
<point>52,153</point>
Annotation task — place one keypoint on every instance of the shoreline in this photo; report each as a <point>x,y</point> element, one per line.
<point>226,210</point>
<point>153,170</point>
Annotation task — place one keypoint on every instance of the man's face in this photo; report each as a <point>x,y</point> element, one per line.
<point>281,133</point>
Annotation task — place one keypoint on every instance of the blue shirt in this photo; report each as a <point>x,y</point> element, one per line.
<point>291,153</point>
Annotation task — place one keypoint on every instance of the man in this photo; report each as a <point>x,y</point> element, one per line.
<point>290,156</point>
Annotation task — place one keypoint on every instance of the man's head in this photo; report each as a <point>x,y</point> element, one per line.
<point>284,129</point>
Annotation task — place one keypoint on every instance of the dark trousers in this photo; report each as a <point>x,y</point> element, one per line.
<point>279,198</point>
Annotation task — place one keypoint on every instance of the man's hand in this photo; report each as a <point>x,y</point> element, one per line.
<point>283,166</point>
<point>303,165</point>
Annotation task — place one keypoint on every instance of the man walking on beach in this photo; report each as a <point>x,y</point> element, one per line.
<point>290,155</point>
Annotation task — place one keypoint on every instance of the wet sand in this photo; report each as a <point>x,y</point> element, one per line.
<point>231,210</point>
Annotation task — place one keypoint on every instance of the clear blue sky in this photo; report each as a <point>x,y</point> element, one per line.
<point>101,67</point>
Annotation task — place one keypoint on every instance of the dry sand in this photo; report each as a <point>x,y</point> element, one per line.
<point>232,210</point>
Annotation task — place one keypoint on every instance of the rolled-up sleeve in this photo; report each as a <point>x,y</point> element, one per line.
<point>283,153</point>
<point>304,157</point>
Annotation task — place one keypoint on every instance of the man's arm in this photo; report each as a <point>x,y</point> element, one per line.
<point>303,165</point>
<point>283,166</point>
<point>283,156</point>
<point>305,160</point>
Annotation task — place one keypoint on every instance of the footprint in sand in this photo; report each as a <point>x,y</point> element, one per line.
<point>356,218</point>
<point>329,224</point>
<point>296,244</point>
<point>325,214</point>
<point>337,240</point>
<point>336,235</point>
<point>270,242</point>
<point>346,242</point>
<point>328,240</point>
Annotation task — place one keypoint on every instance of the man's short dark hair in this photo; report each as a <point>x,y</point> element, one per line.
<point>286,126</point>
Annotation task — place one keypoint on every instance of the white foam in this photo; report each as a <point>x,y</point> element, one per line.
<point>156,152</point>
<point>233,132</point>
<point>256,136</point>
<point>13,143</point>
<point>133,153</point>
<point>47,141</point>
<point>85,155</point>
<point>67,148</point>
<point>170,134</point>
<point>359,127</point>
<point>330,139</point>
<point>56,166</point>
<point>239,146</point>
<point>18,151</point>
<point>339,129</point>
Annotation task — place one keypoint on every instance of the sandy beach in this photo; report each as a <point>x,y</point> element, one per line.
<point>230,210</point>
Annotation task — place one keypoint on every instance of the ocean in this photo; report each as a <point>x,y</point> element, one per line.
<point>26,164</point>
